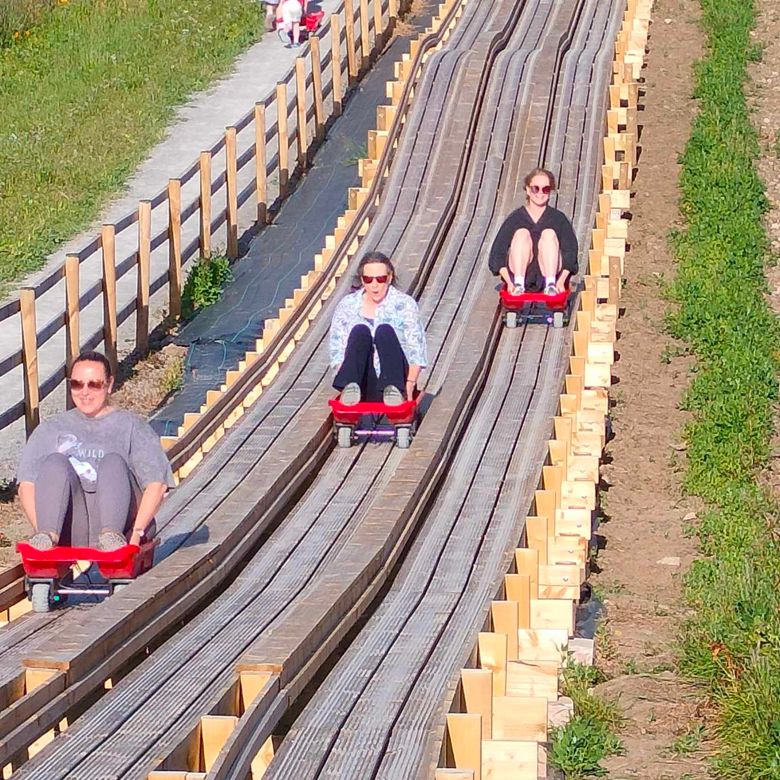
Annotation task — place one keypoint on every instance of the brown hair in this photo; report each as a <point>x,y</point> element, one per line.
<point>529,177</point>
<point>375,257</point>
<point>94,357</point>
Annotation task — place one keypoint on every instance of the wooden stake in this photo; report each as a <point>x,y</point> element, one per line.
<point>204,166</point>
<point>300,103</point>
<point>108,242</point>
<point>174,248</point>
<point>144,272</point>
<point>365,51</point>
<point>465,741</point>
<point>316,75</point>
<point>72,311</point>
<point>283,138</point>
<point>477,686</point>
<point>335,61</point>
<point>261,184</point>
<point>32,414</point>
<point>231,193</point>
<point>378,27</point>
<point>349,23</point>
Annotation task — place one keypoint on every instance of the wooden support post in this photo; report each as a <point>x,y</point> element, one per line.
<point>32,413</point>
<point>72,311</point>
<point>316,77</point>
<point>392,13</point>
<point>300,104</point>
<point>614,280</point>
<point>174,248</point>
<point>215,731</point>
<point>492,656</point>
<point>378,27</point>
<point>261,184</point>
<point>464,734</point>
<point>204,166</point>
<point>108,243</point>
<point>477,687</point>
<point>349,26</point>
<point>283,138</point>
<point>144,276</point>
<point>335,62</point>
<point>231,193</point>
<point>365,50</point>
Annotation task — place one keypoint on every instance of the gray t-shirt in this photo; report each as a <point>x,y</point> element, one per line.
<point>86,440</point>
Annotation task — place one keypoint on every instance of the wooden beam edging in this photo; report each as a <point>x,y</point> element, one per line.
<point>503,706</point>
<point>280,335</point>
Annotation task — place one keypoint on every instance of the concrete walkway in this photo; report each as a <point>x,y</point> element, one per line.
<point>199,124</point>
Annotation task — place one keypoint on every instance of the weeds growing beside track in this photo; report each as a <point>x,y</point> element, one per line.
<point>86,94</point>
<point>733,641</point>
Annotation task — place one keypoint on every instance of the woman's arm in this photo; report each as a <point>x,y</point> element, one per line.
<point>27,500</point>
<point>147,509</point>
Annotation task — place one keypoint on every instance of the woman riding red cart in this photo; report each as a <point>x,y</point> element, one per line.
<point>377,342</point>
<point>536,247</point>
<point>93,476</point>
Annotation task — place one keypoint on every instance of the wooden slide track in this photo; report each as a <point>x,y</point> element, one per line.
<point>279,549</point>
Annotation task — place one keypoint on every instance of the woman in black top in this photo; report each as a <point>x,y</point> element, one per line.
<point>536,248</point>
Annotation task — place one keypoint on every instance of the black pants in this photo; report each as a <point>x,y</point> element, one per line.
<point>358,365</point>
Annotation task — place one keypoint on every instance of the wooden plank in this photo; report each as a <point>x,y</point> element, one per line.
<point>108,246</point>
<point>72,311</point>
<point>349,26</point>
<point>231,193</point>
<point>477,686</point>
<point>143,279</point>
<point>32,414</point>
<point>174,248</point>
<point>335,49</point>
<point>282,139</point>
<point>261,182</point>
<point>316,73</point>
<point>204,211</point>
<point>300,103</point>
<point>522,718</point>
<point>464,734</point>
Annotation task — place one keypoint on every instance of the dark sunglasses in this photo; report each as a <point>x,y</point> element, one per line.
<point>536,189</point>
<point>92,384</point>
<point>381,279</point>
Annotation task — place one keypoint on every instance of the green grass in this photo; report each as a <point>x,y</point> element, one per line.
<point>733,641</point>
<point>578,748</point>
<point>86,95</point>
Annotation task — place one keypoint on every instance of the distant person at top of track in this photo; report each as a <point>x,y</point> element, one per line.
<point>91,475</point>
<point>288,21</point>
<point>536,248</point>
<point>377,342</point>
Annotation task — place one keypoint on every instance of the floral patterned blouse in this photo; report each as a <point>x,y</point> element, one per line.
<point>397,310</point>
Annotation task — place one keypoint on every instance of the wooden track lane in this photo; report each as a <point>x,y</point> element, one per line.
<point>349,729</point>
<point>68,739</point>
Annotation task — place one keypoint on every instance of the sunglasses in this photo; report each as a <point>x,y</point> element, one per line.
<point>381,279</point>
<point>536,189</point>
<point>92,384</point>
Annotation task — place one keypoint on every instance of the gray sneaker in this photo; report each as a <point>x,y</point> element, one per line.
<point>110,540</point>
<point>551,289</point>
<point>392,396</point>
<point>41,541</point>
<point>351,394</point>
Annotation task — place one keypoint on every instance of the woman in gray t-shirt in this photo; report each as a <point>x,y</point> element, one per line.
<point>93,474</point>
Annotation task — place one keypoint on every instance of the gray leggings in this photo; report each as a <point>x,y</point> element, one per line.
<point>64,508</point>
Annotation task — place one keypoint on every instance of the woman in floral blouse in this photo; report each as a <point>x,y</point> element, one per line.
<point>377,342</point>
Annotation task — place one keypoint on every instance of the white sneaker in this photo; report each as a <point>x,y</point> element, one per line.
<point>551,289</point>
<point>392,396</point>
<point>351,394</point>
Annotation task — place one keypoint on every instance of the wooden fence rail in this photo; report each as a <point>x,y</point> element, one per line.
<point>298,121</point>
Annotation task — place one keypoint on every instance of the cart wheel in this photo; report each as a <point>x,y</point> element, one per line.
<point>511,319</point>
<point>403,438</point>
<point>344,436</point>
<point>558,319</point>
<point>39,595</point>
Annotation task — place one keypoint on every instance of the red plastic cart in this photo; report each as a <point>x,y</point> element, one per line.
<point>46,570</point>
<point>349,422</point>
<point>535,308</point>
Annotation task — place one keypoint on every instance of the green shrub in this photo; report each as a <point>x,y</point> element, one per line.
<point>204,284</point>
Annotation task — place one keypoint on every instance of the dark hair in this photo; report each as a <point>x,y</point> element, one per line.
<point>539,172</point>
<point>94,357</point>
<point>375,257</point>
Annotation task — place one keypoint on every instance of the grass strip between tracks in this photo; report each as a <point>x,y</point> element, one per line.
<point>732,641</point>
<point>86,92</point>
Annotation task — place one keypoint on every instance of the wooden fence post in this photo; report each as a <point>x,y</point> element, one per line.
<point>365,50</point>
<point>300,103</point>
<point>108,242</point>
<point>174,248</point>
<point>231,193</point>
<point>316,77</point>
<point>32,413</point>
<point>378,28</point>
<point>205,204</point>
<point>283,139</point>
<point>261,185</point>
<point>144,273</point>
<point>335,61</point>
<point>349,25</point>
<point>72,311</point>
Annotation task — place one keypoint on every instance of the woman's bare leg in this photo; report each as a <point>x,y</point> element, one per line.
<point>520,253</point>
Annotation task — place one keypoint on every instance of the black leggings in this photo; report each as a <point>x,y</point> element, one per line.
<point>358,364</point>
